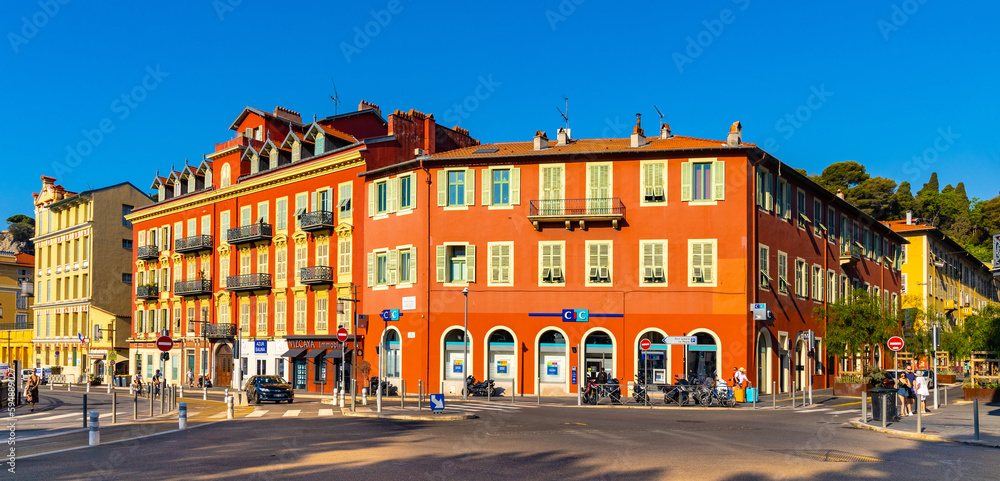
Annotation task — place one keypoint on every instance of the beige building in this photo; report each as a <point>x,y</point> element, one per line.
<point>15,307</point>
<point>83,279</point>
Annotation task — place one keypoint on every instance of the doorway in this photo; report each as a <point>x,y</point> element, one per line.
<point>223,366</point>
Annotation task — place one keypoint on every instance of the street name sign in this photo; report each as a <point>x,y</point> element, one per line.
<point>683,340</point>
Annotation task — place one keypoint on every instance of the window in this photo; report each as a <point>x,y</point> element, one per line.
<point>262,260</point>
<point>407,191</point>
<point>321,315</point>
<point>190,268</point>
<point>703,181</point>
<point>551,179</point>
<point>344,203</point>
<point>654,187</point>
<point>598,266</point>
<point>279,315</point>
<point>223,270</point>
<point>300,315</point>
<point>817,281</point>
<point>763,262</point>
<point>456,187</point>
<point>801,204</point>
<point>280,262</point>
<point>301,206</point>
<point>779,198</point>
<point>381,197</point>
<point>127,244</point>
<point>782,273</point>
<point>801,278</point>
<point>263,216</point>
<point>902,284</point>
<point>831,224</point>
<point>177,319</point>
<point>344,262</point>
<point>301,257</point>
<point>323,253</point>
<point>904,254</point>
<point>281,214</point>
<point>765,199</point>
<point>407,265</point>
<point>654,262</point>
<point>381,268</point>
<point>245,317</point>
<point>831,287</point>
<point>702,262</point>
<point>501,186</point>
<point>126,278</point>
<point>817,217</point>
<point>245,215</point>
<point>456,263</point>
<point>126,210</point>
<point>552,268</point>
<point>224,226</point>
<point>500,263</point>
<point>245,262</point>
<point>206,225</point>
<point>599,187</point>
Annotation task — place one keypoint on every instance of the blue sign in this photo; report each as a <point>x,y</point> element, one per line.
<point>573,375</point>
<point>390,314</point>
<point>575,315</point>
<point>260,347</point>
<point>385,314</point>
<point>437,402</point>
<point>552,369</point>
<point>501,367</point>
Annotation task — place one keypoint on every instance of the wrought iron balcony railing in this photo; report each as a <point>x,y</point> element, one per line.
<point>194,243</point>
<point>248,282</point>
<point>576,210</point>
<point>197,287</point>
<point>316,275</point>
<point>218,331</point>
<point>147,292</point>
<point>148,252</point>
<point>318,220</point>
<point>250,233</point>
<point>850,253</point>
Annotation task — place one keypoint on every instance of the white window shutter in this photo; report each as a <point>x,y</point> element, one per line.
<point>719,180</point>
<point>686,181</point>
<point>515,186</point>
<point>413,265</point>
<point>470,263</point>
<point>487,177</point>
<point>708,263</point>
<point>371,269</point>
<point>392,193</point>
<point>371,199</point>
<point>312,201</point>
<point>413,191</point>
<point>393,262</point>
<point>441,253</point>
<point>470,187</point>
<point>442,189</point>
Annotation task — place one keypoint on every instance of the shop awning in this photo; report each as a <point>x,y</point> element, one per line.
<point>294,353</point>
<point>315,353</point>
<point>336,354</point>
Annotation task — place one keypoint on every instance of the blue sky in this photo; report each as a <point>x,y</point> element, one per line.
<point>101,95</point>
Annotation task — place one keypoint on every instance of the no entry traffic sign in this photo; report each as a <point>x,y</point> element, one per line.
<point>895,343</point>
<point>342,335</point>
<point>645,344</point>
<point>164,343</point>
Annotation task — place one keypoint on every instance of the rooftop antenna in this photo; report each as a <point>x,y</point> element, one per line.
<point>565,115</point>
<point>659,113</point>
<point>335,97</point>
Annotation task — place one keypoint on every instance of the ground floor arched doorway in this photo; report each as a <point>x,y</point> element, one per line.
<point>223,366</point>
<point>702,359</point>
<point>765,358</point>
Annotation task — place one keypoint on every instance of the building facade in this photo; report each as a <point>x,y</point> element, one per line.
<point>16,328</point>
<point>562,257</point>
<point>83,247</point>
<point>247,260</point>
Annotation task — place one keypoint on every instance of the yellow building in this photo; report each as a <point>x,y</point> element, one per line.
<point>15,307</point>
<point>939,276</point>
<point>83,275</point>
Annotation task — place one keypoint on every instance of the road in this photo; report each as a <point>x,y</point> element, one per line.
<point>300,441</point>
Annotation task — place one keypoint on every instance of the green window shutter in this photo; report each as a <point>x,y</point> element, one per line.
<point>413,265</point>
<point>719,180</point>
<point>392,275</point>
<point>494,263</point>
<point>413,191</point>
<point>442,190</point>
<point>470,263</point>
<point>487,179</point>
<point>392,186</point>
<point>371,269</point>
<point>695,260</point>
<point>371,199</point>
<point>788,201</point>
<point>515,186</point>
<point>441,253</point>
<point>470,187</point>
<point>685,181</point>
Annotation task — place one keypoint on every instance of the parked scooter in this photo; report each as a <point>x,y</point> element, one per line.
<point>639,391</point>
<point>614,391</point>
<point>484,388</point>
<point>387,389</point>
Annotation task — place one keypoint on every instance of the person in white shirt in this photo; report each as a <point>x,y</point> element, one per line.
<point>920,388</point>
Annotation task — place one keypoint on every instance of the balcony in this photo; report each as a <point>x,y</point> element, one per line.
<point>314,221</point>
<point>316,275</point>
<point>248,282</point>
<point>250,233</point>
<point>17,326</point>
<point>197,287</point>
<point>576,210</point>
<point>147,293</point>
<point>146,253</point>
<point>850,253</point>
<point>193,244</point>
<point>218,331</point>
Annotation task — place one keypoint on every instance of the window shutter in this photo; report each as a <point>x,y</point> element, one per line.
<point>707,262</point>
<point>647,255</point>
<point>686,181</point>
<point>442,190</point>
<point>470,187</point>
<point>470,263</point>
<point>770,192</point>
<point>441,253</point>
<point>312,201</point>
<point>371,269</point>
<point>392,194</point>
<point>494,263</point>
<point>413,265</point>
<point>392,276</point>
<point>719,180</point>
<point>487,178</point>
<point>695,261</point>
<point>142,238</point>
<point>515,186</point>
<point>413,191</point>
<point>788,201</point>
<point>371,199</point>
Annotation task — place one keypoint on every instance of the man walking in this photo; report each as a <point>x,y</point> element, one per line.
<point>190,378</point>
<point>32,390</point>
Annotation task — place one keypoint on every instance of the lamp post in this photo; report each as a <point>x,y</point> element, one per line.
<point>465,347</point>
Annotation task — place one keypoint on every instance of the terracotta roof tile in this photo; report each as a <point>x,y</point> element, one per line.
<point>339,134</point>
<point>902,226</point>
<point>585,145</point>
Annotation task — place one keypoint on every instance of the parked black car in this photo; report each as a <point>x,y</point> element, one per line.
<point>268,388</point>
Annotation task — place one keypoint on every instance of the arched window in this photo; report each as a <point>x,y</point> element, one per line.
<point>552,357</point>
<point>455,356</point>
<point>224,181</point>
<point>392,361</point>
<point>501,356</point>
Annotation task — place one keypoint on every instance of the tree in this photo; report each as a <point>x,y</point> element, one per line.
<point>21,229</point>
<point>875,197</point>
<point>842,175</point>
<point>855,321</point>
<point>928,202</point>
<point>904,198</point>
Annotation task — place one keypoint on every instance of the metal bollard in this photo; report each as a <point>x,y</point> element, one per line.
<point>884,413</point>
<point>864,407</point>
<point>67,386</point>
<point>88,386</point>
<point>182,390</point>
<point>135,406</point>
<point>920,410</point>
<point>163,396</point>
<point>792,393</point>
<point>109,388</point>
<point>84,410</point>
<point>182,416</point>
<point>402,395</point>
<point>774,395</point>
<point>945,396</point>
<point>95,433</point>
<point>150,405</point>
<point>420,394</point>
<point>538,396</point>
<point>364,396</point>
<point>52,386</point>
<point>114,408</point>
<point>975,419</point>
<point>378,396</point>
<point>229,407</point>
<point>513,390</point>
<point>488,398</point>
<point>204,391</point>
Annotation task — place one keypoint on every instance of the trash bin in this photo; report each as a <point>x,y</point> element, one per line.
<point>877,395</point>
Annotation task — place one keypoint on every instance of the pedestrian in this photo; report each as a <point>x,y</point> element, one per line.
<point>32,390</point>
<point>920,388</point>
<point>903,393</point>
<point>156,382</point>
<point>137,382</point>
<point>602,377</point>
<point>912,378</point>
<point>190,378</point>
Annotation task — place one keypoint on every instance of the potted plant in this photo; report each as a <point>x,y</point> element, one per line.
<point>984,391</point>
<point>94,380</point>
<point>947,375</point>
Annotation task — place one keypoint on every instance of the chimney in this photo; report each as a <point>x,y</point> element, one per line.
<point>909,217</point>
<point>541,140</point>
<point>840,194</point>
<point>430,134</point>
<point>365,105</point>
<point>562,137</point>
<point>283,113</point>
<point>665,131</point>
<point>638,137</point>
<point>735,134</point>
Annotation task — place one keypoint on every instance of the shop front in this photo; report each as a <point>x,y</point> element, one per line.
<point>316,363</point>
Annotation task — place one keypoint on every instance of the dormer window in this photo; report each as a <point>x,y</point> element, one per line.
<point>296,150</point>
<point>248,133</point>
<point>177,189</point>
<point>191,183</point>
<point>161,192</point>
<point>273,158</point>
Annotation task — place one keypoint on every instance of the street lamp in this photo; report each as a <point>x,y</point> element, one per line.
<point>465,347</point>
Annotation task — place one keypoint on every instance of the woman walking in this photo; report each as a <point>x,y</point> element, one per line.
<point>32,390</point>
<point>903,390</point>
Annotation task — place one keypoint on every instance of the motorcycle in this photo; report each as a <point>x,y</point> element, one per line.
<point>387,389</point>
<point>679,392</point>
<point>614,391</point>
<point>639,391</point>
<point>484,388</point>
<point>591,392</point>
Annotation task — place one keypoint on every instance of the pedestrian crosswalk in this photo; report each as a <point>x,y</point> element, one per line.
<point>291,413</point>
<point>485,406</point>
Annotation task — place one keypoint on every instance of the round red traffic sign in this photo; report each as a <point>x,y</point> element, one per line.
<point>342,335</point>
<point>164,343</point>
<point>645,344</point>
<point>895,343</point>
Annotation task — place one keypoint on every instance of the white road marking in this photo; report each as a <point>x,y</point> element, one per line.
<point>223,414</point>
<point>326,412</point>
<point>291,413</point>
<point>806,411</point>
<point>58,417</point>
<point>257,414</point>
<point>845,411</point>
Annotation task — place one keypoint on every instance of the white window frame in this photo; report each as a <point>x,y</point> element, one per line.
<point>542,270</point>
<point>281,214</point>
<point>345,203</point>
<point>652,190</point>
<point>493,263</point>
<point>592,195</point>
<point>715,262</point>
<point>411,273</point>
<point>655,269</point>
<point>801,278</point>
<point>603,272</point>
<point>344,255</point>
<point>513,187</point>
<point>470,263</point>
<point>261,316</point>
<point>818,277</point>
<point>552,200</point>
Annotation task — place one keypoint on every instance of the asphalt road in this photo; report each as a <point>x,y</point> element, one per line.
<point>566,443</point>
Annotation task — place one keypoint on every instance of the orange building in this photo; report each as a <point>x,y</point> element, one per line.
<point>574,251</point>
<point>249,255</point>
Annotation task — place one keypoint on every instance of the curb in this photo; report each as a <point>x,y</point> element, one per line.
<point>411,417</point>
<point>857,423</point>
